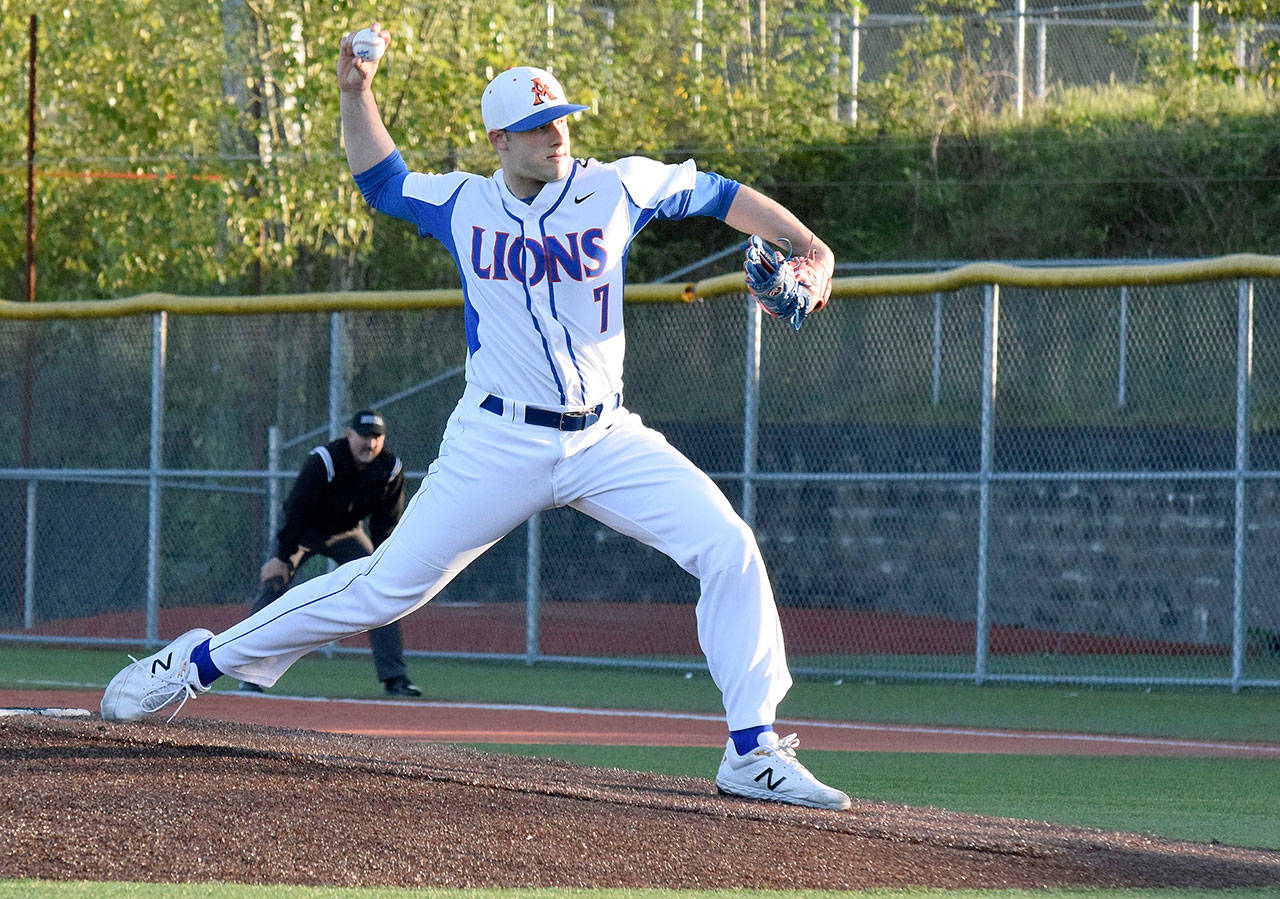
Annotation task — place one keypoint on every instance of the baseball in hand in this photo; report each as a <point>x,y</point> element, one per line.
<point>367,45</point>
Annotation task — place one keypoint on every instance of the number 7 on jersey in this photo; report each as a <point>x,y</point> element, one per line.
<point>601,295</point>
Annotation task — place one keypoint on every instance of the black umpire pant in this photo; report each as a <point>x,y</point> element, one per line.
<point>386,641</point>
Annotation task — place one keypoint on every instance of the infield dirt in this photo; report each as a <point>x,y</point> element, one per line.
<point>200,800</point>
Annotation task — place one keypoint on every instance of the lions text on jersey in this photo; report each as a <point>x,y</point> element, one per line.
<point>543,277</point>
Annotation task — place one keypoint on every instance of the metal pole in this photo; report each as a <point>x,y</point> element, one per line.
<point>28,365</point>
<point>833,65</point>
<point>855,62</point>
<point>31,161</point>
<point>697,55</point>
<point>1193,31</point>
<point>1244,375</point>
<point>751,412</point>
<point>337,374</point>
<point>1241,57</point>
<point>1020,54</point>
<point>29,575</point>
<point>159,345</point>
<point>1122,385</point>
<point>532,588</point>
<point>990,335</point>
<point>1042,56</point>
<point>337,383</point>
<point>937,348</point>
<point>273,483</point>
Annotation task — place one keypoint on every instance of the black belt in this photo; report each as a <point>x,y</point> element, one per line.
<point>548,418</point>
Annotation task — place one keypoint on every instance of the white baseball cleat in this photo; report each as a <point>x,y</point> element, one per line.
<point>148,685</point>
<point>773,772</point>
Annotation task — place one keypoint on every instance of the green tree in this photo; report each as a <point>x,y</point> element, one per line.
<point>1170,65</point>
<point>118,147</point>
<point>195,147</point>
<point>942,78</point>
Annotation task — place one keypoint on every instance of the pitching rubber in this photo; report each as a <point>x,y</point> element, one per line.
<point>49,712</point>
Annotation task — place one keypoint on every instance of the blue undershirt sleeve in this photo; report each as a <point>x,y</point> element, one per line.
<point>381,185</point>
<point>712,195</point>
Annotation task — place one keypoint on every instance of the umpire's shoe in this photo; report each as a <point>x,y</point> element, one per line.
<point>772,771</point>
<point>400,686</point>
<point>150,684</point>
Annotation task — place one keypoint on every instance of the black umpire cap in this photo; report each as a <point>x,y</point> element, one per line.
<point>367,423</point>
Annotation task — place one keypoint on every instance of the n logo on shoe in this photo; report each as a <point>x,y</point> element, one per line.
<point>769,782</point>
<point>168,661</point>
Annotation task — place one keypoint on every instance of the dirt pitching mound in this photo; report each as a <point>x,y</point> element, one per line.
<point>200,800</point>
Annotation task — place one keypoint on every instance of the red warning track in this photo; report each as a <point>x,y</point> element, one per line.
<point>445,722</point>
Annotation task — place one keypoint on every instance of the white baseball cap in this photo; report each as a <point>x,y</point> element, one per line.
<point>524,98</point>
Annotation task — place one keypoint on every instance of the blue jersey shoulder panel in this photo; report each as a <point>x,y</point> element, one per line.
<point>649,182</point>
<point>672,192</point>
<point>424,199</point>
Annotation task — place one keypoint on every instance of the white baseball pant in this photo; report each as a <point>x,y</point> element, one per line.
<point>492,474</point>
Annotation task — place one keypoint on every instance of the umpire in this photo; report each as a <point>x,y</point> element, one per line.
<point>340,485</point>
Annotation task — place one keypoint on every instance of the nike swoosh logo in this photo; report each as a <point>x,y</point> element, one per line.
<point>584,197</point>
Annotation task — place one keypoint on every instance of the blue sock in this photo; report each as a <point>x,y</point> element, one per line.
<point>747,739</point>
<point>204,665</point>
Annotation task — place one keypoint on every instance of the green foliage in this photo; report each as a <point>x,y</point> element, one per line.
<point>942,79</point>
<point>1167,57</point>
<point>194,148</point>
<point>1105,174</point>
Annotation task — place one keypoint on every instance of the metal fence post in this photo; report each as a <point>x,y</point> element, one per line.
<point>29,575</point>
<point>1244,375</point>
<point>532,588</point>
<point>990,336</point>
<point>833,64</point>
<point>1020,54</point>
<point>337,395</point>
<point>1122,375</point>
<point>1242,57</point>
<point>1193,32</point>
<point>159,346</point>
<point>273,483</point>
<point>697,56</point>
<point>337,373</point>
<point>1042,52</point>
<point>855,60</point>
<point>937,348</point>
<point>751,413</point>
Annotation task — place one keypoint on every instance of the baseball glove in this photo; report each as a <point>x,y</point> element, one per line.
<point>788,287</point>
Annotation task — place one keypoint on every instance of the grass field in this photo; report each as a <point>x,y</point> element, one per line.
<point>1208,714</point>
<point>1233,801</point>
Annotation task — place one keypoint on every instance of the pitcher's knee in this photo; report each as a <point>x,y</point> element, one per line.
<point>731,547</point>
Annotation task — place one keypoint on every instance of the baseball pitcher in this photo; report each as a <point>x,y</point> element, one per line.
<point>541,246</point>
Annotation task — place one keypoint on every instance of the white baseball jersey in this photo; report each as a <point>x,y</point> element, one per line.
<point>543,284</point>
<point>543,280</point>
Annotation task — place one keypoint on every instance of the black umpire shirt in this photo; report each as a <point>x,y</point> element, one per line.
<point>332,496</point>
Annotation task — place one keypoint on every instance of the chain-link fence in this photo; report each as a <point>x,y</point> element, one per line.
<point>1027,50</point>
<point>990,483</point>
